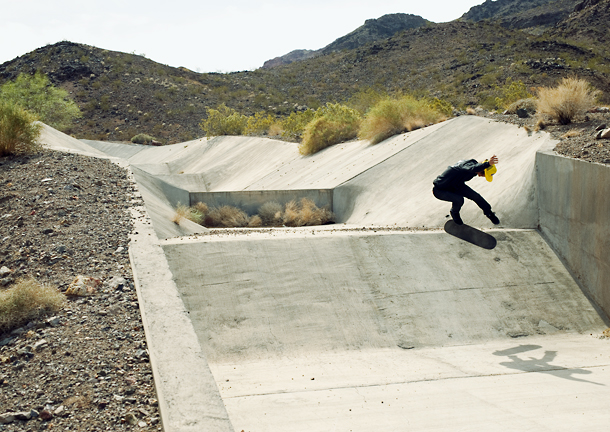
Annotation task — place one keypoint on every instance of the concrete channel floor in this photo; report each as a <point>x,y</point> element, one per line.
<point>364,328</point>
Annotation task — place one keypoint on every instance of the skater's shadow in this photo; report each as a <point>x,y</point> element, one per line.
<point>541,365</point>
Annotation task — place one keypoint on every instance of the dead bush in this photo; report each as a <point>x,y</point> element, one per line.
<point>306,213</point>
<point>572,97</point>
<point>27,300</point>
<point>226,217</point>
<point>193,214</point>
<point>271,214</point>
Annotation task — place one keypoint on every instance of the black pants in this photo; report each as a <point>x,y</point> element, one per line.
<point>456,196</point>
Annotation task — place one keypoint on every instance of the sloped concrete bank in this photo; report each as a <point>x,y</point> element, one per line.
<point>574,208</point>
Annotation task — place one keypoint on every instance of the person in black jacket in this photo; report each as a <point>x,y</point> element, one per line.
<point>451,186</point>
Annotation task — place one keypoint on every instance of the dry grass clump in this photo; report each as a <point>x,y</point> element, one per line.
<point>391,117</point>
<point>191,213</point>
<point>226,217</point>
<point>540,125</point>
<point>271,214</point>
<point>27,300</point>
<point>572,133</point>
<point>528,104</point>
<point>18,130</point>
<point>572,97</point>
<point>306,213</point>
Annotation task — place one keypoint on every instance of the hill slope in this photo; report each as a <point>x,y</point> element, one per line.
<point>460,62</point>
<point>372,30</point>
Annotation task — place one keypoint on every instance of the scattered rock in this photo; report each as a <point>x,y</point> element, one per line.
<point>603,134</point>
<point>4,271</point>
<point>46,415</point>
<point>83,286</point>
<point>131,419</point>
<point>7,418</point>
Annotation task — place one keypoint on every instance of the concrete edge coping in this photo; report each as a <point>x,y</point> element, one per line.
<point>189,399</point>
<point>256,234</point>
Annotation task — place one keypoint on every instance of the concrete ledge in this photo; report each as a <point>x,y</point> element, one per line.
<point>188,395</point>
<point>574,205</point>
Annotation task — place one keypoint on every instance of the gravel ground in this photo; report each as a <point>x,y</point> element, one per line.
<point>85,368</point>
<point>577,140</point>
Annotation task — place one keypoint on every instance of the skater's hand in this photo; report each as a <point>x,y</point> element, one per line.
<point>493,160</point>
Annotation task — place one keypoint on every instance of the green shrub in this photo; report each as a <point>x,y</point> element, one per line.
<point>510,93</point>
<point>294,125</point>
<point>19,130</point>
<point>224,121</point>
<point>259,123</point>
<point>25,301</point>
<point>570,98</point>
<point>394,116</point>
<point>142,138</point>
<point>442,106</point>
<point>366,98</point>
<point>333,124</point>
<point>36,94</point>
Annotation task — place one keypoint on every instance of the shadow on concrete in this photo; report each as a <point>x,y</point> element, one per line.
<point>540,365</point>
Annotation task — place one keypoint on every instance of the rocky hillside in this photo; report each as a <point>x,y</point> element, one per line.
<point>588,24</point>
<point>461,62</point>
<point>372,30</point>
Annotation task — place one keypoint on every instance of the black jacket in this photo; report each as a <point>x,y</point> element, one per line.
<point>459,173</point>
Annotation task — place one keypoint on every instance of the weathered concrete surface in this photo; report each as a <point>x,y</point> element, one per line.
<point>574,199</point>
<point>537,384</point>
<point>333,291</point>
<point>343,330</point>
<point>187,393</point>
<point>399,190</point>
<point>54,139</point>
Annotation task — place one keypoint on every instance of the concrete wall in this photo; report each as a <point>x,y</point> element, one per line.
<point>574,203</point>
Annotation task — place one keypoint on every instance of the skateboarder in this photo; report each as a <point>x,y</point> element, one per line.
<point>451,186</point>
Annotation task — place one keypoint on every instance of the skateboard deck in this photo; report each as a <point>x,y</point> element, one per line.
<point>470,234</point>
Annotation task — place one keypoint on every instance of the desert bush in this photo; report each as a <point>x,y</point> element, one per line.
<point>193,214</point>
<point>271,214</point>
<point>294,125</point>
<point>511,92</point>
<point>442,106</point>
<point>36,94</point>
<point>255,222</point>
<point>306,213</point>
<point>19,130</point>
<point>570,98</point>
<point>366,98</point>
<point>27,300</point>
<point>259,124</point>
<point>223,121</point>
<point>394,116</point>
<point>528,104</point>
<point>142,139</point>
<point>332,124</point>
<point>226,217</point>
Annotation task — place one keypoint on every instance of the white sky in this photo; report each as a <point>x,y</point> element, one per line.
<point>204,35</point>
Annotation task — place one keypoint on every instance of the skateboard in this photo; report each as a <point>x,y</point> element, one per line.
<point>470,234</point>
